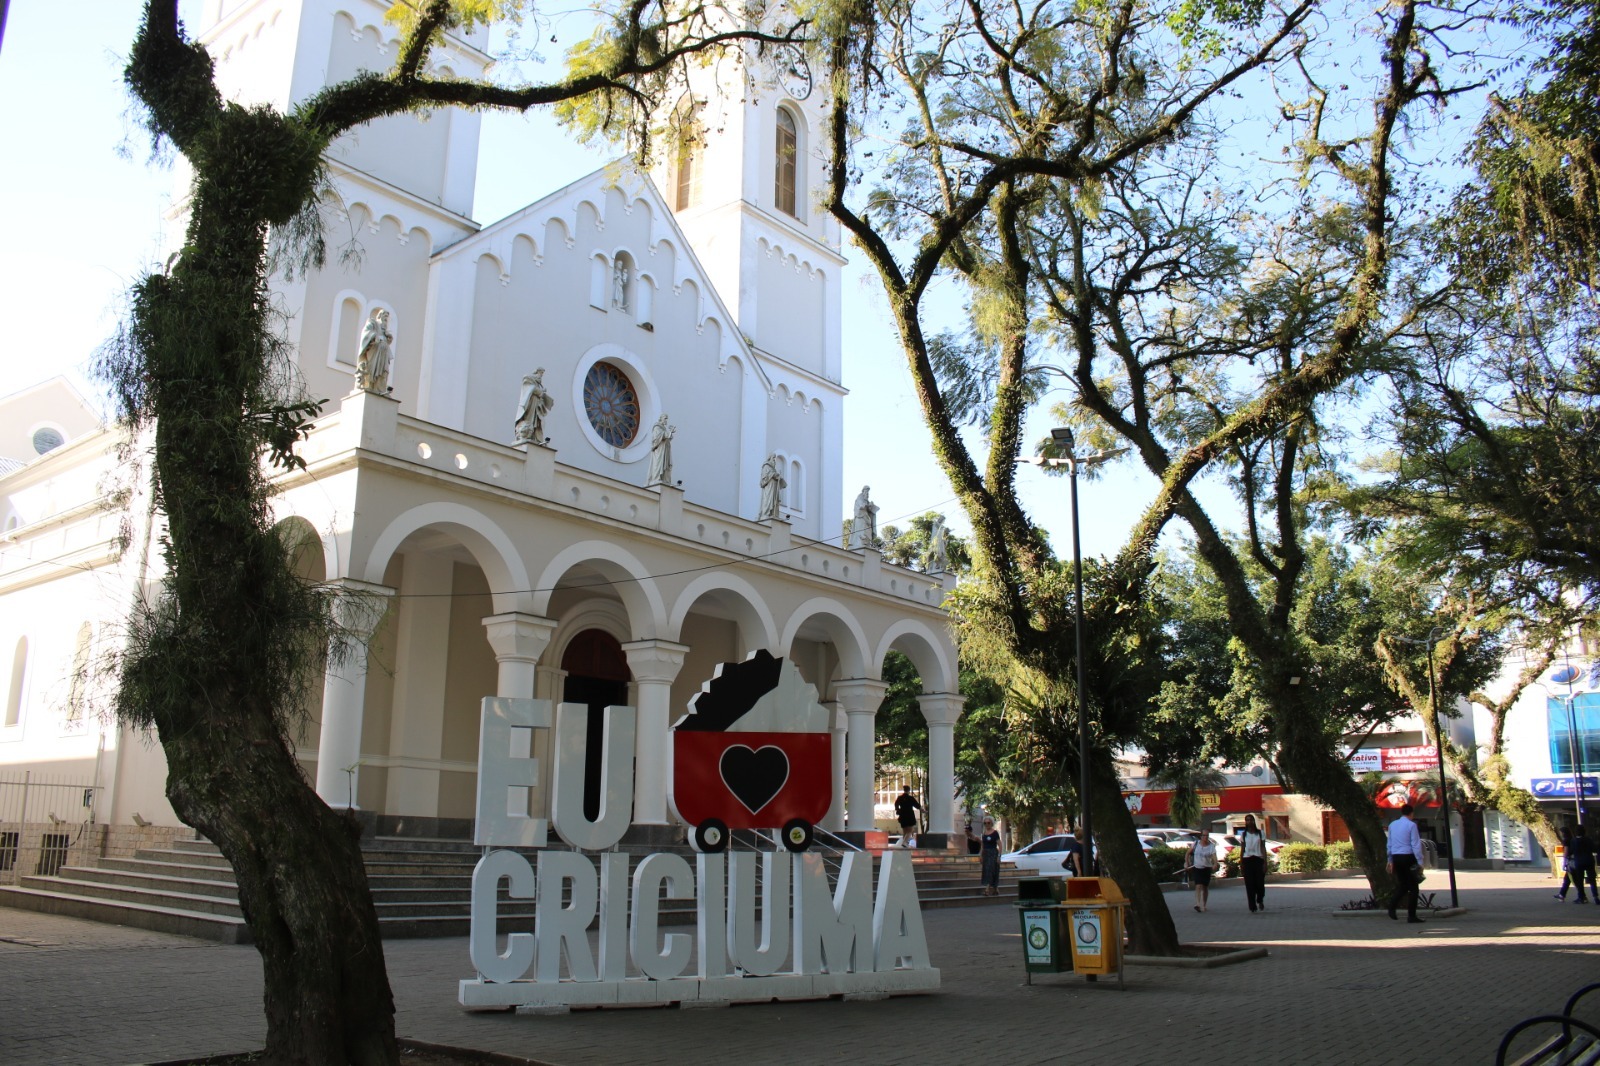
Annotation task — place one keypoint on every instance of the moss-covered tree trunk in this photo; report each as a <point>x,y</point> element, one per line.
<point>1307,754</point>
<point>220,655</point>
<point>222,651</point>
<point>212,669</point>
<point>302,887</point>
<point>1151,928</point>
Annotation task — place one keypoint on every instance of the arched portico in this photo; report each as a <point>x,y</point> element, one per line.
<point>400,717</point>
<point>726,595</point>
<point>857,692</point>
<point>941,705</point>
<point>613,567</point>
<point>489,545</point>
<point>598,585</point>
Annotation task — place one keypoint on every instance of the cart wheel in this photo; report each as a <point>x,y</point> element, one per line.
<point>710,836</point>
<point>797,834</point>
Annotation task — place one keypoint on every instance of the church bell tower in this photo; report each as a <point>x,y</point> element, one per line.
<point>744,172</point>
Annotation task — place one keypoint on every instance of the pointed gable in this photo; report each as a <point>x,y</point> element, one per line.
<point>596,284</point>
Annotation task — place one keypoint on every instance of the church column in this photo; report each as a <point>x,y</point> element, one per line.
<point>359,609</point>
<point>860,698</point>
<point>835,819</point>
<point>518,641</point>
<point>654,664</point>
<point>941,709</point>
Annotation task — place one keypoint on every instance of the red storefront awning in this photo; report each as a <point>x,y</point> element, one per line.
<point>1243,799</point>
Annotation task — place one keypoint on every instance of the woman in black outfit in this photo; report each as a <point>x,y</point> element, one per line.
<point>991,858</point>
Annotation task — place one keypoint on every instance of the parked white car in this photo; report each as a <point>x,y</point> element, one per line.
<point>1169,838</point>
<point>1045,856</point>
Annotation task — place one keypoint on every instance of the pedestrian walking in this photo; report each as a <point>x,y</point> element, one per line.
<point>1202,863</point>
<point>1580,864</point>
<point>1405,863</point>
<point>1566,863</point>
<point>905,809</point>
<point>991,858</point>
<point>1253,864</point>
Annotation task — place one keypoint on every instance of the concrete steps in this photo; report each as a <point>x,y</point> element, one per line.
<point>420,888</point>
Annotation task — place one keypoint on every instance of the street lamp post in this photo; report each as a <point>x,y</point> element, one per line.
<point>1567,675</point>
<point>1438,748</point>
<point>1062,436</point>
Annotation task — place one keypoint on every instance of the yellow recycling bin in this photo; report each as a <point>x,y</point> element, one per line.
<point>1095,908</point>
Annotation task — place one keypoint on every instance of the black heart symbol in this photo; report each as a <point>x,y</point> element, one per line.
<point>754,776</point>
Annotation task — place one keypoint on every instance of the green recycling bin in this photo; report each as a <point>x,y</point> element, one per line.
<point>1045,944</point>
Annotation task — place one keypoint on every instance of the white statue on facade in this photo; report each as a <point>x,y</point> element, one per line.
<point>619,286</point>
<point>772,486</point>
<point>937,559</point>
<point>864,527</point>
<point>661,452</point>
<point>376,356</point>
<point>533,403</point>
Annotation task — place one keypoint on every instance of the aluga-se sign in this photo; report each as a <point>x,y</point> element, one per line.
<point>797,934</point>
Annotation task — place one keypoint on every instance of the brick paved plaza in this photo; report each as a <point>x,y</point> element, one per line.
<point>1334,990</point>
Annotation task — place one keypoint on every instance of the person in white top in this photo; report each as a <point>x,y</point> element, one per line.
<point>1202,864</point>
<point>1405,863</point>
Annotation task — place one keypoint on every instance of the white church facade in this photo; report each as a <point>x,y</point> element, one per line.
<point>501,490</point>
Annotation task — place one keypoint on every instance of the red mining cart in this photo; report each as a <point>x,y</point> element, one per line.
<point>755,780</point>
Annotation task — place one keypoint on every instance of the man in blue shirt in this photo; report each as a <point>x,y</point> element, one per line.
<point>1405,863</point>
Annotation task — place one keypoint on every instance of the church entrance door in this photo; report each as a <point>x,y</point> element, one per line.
<point>597,676</point>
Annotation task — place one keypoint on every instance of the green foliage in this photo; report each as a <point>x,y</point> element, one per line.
<point>1167,863</point>
<point>902,732</point>
<point>909,547</point>
<point>1536,208</point>
<point>1214,698</point>
<point>1487,471</point>
<point>1186,780</point>
<point>1341,855</point>
<point>1299,858</point>
<point>656,41</point>
<point>462,14</point>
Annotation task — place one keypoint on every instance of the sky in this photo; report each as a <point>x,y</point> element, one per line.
<point>85,217</point>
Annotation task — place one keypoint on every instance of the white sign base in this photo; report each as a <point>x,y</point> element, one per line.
<point>479,995</point>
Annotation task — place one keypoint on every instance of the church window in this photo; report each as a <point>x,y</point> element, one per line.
<point>47,439</point>
<point>786,160</point>
<point>78,684</point>
<point>19,670</point>
<point>796,493</point>
<point>612,404</point>
<point>352,314</point>
<point>690,160</point>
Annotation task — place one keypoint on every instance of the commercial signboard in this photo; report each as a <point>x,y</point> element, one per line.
<point>1240,800</point>
<point>1564,787</point>
<point>1395,760</point>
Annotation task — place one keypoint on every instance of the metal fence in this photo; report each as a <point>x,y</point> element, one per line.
<point>41,819</point>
